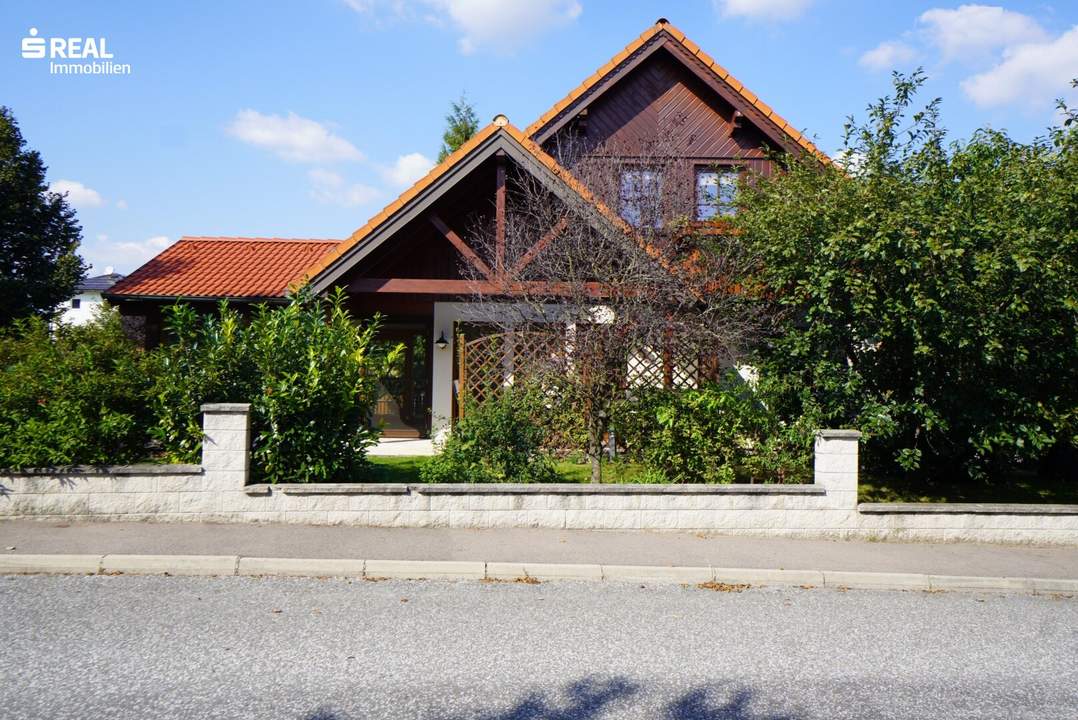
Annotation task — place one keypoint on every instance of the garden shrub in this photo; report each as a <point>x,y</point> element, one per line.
<point>498,440</point>
<point>307,369</point>
<point>718,433</point>
<point>72,394</point>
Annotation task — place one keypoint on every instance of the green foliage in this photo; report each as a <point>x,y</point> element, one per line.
<point>718,433</point>
<point>206,359</point>
<point>496,441</point>
<point>73,395</point>
<point>307,369</point>
<point>39,234</point>
<point>461,123</point>
<point>928,290</point>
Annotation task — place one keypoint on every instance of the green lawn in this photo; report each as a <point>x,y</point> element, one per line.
<point>405,469</point>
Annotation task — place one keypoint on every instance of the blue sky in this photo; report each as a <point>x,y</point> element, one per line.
<point>302,119</point>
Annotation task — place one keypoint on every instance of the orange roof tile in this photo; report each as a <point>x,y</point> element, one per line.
<point>693,49</point>
<point>221,267</point>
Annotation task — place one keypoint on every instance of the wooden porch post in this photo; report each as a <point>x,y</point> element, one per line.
<point>499,217</point>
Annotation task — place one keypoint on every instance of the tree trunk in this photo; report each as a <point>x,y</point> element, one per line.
<point>595,452</point>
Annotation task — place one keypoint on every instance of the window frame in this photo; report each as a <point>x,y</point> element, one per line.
<point>623,201</point>
<point>719,209</point>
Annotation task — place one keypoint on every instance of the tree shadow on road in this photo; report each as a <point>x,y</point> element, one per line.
<point>599,699</point>
<point>698,704</point>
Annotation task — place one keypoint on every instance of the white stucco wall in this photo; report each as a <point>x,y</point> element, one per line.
<point>88,304</point>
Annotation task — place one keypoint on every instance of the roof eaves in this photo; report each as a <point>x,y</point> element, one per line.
<point>389,210</point>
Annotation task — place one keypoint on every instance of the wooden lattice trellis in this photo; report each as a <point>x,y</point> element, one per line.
<point>491,363</point>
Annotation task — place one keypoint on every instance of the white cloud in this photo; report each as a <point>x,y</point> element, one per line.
<point>849,160</point>
<point>294,138</point>
<point>969,31</point>
<point>1034,73</point>
<point>500,25</point>
<point>773,10</point>
<point>78,195</point>
<point>136,253</point>
<point>407,169</point>
<point>330,188</point>
<point>103,253</point>
<point>887,55</point>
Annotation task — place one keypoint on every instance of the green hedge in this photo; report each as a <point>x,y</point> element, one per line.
<point>72,394</point>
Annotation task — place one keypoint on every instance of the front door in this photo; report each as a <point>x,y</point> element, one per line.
<point>402,409</point>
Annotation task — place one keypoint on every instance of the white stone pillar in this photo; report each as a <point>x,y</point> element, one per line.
<point>835,466</point>
<point>226,445</point>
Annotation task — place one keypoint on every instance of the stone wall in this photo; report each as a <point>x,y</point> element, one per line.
<point>217,491</point>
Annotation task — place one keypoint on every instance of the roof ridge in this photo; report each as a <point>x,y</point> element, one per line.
<point>692,48</point>
<point>590,81</point>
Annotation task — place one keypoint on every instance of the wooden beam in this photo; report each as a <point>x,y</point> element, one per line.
<point>461,246</point>
<point>538,247</point>
<point>425,286</point>
<point>499,216</point>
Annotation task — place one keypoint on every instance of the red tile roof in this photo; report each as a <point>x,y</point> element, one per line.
<point>223,267</point>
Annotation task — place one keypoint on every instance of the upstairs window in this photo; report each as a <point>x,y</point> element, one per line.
<point>641,197</point>
<point>76,303</point>
<point>715,191</point>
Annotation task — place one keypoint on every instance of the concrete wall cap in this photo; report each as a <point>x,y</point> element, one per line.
<point>853,434</point>
<point>532,489</point>
<point>337,488</point>
<point>226,407</point>
<point>967,509</point>
<point>105,470</point>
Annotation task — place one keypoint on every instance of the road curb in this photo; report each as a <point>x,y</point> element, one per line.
<point>235,565</point>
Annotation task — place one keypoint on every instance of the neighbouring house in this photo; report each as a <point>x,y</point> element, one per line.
<point>79,310</point>
<point>405,262</point>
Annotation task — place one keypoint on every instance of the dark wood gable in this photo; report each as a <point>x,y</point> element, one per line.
<point>664,80</point>
<point>419,244</point>
<point>661,92</point>
<point>420,248</point>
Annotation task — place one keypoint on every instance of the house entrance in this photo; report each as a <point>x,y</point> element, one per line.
<point>402,408</point>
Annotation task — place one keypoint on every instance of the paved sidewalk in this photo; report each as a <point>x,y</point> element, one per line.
<point>535,546</point>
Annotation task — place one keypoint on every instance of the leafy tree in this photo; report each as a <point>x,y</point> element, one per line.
<point>39,234</point>
<point>929,290</point>
<point>71,394</point>
<point>461,124</point>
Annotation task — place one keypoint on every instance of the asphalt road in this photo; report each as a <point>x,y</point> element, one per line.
<point>196,648</point>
